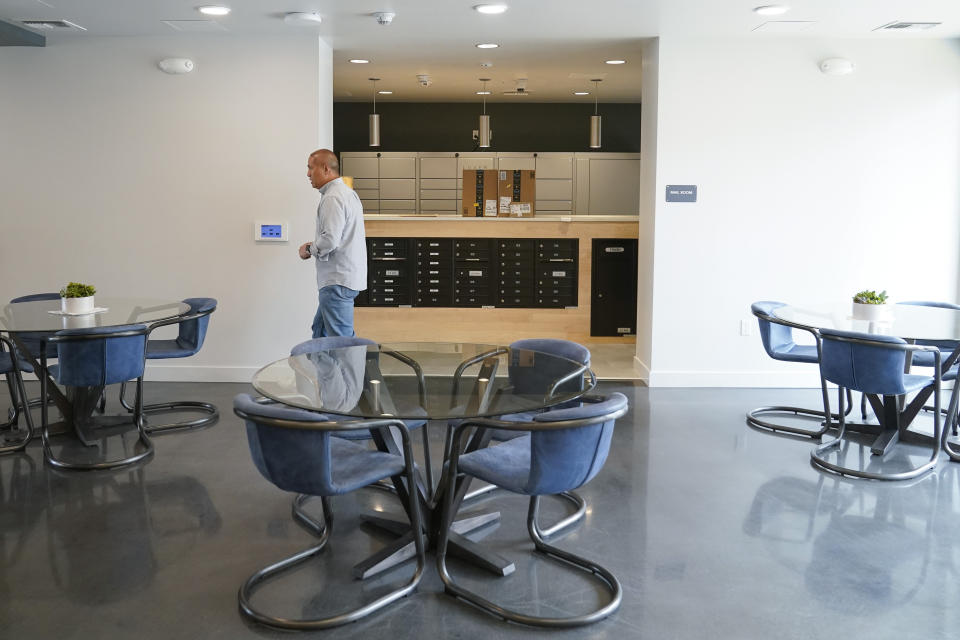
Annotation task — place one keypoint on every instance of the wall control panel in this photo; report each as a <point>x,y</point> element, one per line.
<point>272,231</point>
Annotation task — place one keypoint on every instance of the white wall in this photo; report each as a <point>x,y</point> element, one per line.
<point>812,187</point>
<point>648,202</point>
<point>142,183</point>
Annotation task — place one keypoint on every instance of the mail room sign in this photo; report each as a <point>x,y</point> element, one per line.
<point>681,193</point>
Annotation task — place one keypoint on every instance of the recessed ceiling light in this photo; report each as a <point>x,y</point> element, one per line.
<point>385,93</point>
<point>483,93</point>
<point>487,45</point>
<point>490,9</point>
<point>771,10</point>
<point>213,10</point>
<point>359,61</point>
<point>581,93</point>
<point>615,61</point>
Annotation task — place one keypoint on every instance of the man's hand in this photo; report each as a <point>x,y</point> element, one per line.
<point>305,251</point>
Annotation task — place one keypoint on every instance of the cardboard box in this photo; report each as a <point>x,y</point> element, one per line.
<point>479,193</point>
<point>517,193</point>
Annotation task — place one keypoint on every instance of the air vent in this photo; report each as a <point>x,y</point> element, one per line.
<point>519,91</point>
<point>52,24</point>
<point>908,26</point>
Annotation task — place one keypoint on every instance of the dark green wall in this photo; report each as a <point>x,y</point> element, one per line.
<point>447,126</point>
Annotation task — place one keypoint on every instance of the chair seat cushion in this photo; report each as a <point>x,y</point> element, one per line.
<point>913,382</point>
<point>354,466</point>
<point>6,364</point>
<point>163,349</point>
<point>506,465</point>
<point>798,353</point>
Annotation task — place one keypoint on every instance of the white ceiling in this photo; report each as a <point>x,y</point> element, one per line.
<point>557,45</point>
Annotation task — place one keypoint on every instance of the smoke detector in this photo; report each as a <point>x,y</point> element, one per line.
<point>486,65</point>
<point>384,17</point>
<point>424,80</point>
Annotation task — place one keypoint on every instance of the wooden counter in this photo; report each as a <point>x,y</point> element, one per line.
<point>500,326</point>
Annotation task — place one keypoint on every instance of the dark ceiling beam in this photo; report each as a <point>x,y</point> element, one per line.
<point>13,36</point>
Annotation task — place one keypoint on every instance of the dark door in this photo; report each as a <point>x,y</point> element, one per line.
<point>613,287</point>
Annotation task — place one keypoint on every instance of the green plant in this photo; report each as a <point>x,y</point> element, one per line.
<point>871,297</point>
<point>77,290</point>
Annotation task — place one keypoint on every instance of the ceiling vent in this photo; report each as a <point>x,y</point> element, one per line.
<point>58,25</point>
<point>520,88</point>
<point>908,26</point>
<point>195,26</point>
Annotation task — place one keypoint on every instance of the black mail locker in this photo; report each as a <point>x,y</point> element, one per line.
<point>558,273</point>
<point>471,275</point>
<point>613,287</point>
<point>515,301</point>
<point>387,248</point>
<point>388,300</point>
<point>472,249</point>
<point>557,249</point>
<point>389,290</point>
<point>471,301</point>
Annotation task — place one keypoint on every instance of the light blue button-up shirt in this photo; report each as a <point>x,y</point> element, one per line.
<point>340,248</point>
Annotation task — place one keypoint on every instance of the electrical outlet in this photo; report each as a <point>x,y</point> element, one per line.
<point>745,327</point>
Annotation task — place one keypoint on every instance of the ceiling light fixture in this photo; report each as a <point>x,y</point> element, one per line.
<point>490,9</point>
<point>487,45</point>
<point>214,10</point>
<point>374,118</point>
<point>483,129</point>
<point>595,118</point>
<point>581,93</point>
<point>615,61</point>
<point>771,10</point>
<point>359,61</point>
<point>303,18</point>
<point>385,93</point>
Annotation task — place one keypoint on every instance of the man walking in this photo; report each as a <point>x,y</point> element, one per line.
<point>339,249</point>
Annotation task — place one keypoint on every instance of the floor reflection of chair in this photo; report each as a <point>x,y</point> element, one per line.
<point>15,436</point>
<point>19,510</point>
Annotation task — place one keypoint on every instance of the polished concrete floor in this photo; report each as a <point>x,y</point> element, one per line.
<point>714,529</point>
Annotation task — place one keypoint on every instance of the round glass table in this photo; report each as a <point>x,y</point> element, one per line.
<point>424,380</point>
<point>42,316</point>
<point>420,381</point>
<point>907,321</point>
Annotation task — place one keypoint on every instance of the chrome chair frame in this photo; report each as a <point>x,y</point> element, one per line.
<point>211,411</point>
<point>20,403</point>
<point>753,416</point>
<point>816,455</point>
<point>322,531</point>
<point>138,421</point>
<point>536,534</point>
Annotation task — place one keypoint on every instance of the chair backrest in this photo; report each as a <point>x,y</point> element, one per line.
<point>537,380</point>
<point>329,342</point>
<point>292,459</point>
<point>946,345</point>
<point>194,330</point>
<point>874,364</point>
<point>100,355</point>
<point>36,296</point>
<point>562,459</point>
<point>777,338</point>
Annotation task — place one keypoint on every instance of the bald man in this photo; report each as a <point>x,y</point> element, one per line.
<point>339,249</point>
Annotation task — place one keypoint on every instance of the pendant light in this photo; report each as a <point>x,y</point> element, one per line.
<point>374,118</point>
<point>484,126</point>
<point>595,118</point>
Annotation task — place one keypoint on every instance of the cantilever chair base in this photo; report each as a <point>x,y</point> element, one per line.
<point>211,417</point>
<point>322,531</point>
<point>754,418</point>
<point>18,395</point>
<point>536,535</point>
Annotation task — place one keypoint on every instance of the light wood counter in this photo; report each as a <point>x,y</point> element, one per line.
<point>501,326</point>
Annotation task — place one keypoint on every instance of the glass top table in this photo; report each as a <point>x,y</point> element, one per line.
<point>424,380</point>
<point>910,322</point>
<point>35,316</point>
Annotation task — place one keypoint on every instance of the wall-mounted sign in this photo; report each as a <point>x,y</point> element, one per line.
<point>681,193</point>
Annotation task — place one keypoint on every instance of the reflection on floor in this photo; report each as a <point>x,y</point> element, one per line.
<point>714,529</point>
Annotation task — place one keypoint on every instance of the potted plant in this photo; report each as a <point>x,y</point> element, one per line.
<point>870,305</point>
<point>77,298</point>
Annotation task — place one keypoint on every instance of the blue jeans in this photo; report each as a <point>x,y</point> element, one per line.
<point>334,312</point>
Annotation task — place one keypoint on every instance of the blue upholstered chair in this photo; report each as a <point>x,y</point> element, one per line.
<point>560,450</point>
<point>539,380</point>
<point>873,364</point>
<point>294,449</point>
<point>87,361</point>
<point>778,342</point>
<point>10,366</point>
<point>33,341</point>
<point>192,328</point>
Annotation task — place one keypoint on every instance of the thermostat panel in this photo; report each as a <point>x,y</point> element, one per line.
<point>270,231</point>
